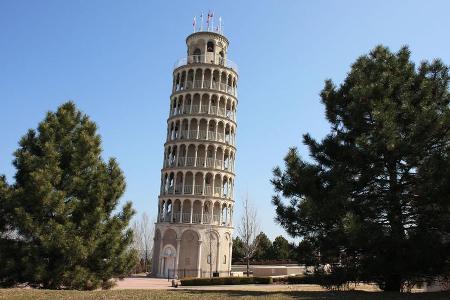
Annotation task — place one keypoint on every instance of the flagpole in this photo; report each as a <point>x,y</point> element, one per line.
<point>201,22</point>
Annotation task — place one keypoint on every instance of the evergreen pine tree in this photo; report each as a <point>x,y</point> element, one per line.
<point>264,251</point>
<point>374,198</point>
<point>281,248</point>
<point>65,198</point>
<point>238,250</point>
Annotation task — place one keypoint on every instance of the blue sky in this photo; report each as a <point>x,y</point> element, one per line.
<point>115,59</point>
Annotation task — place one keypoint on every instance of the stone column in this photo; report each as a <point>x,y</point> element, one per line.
<point>160,255</point>
<point>178,257</point>
<point>195,156</point>
<point>229,255</point>
<point>203,79</point>
<point>209,103</point>
<point>199,259</point>
<point>178,152</point>
<point>181,210</point>
<point>182,105</point>
<point>201,214</point>
<point>218,257</point>
<point>211,81</point>
<point>193,184</point>
<point>215,155</point>
<point>204,185</point>
<point>182,184</point>
<point>193,78</point>
<point>198,126</point>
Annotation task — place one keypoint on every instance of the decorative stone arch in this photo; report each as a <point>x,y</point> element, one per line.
<point>168,260</point>
<point>189,250</point>
<point>211,244</point>
<point>156,250</point>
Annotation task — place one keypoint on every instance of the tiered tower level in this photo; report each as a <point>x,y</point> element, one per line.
<point>195,206</point>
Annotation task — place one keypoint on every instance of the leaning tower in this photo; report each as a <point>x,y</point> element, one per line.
<point>193,234</point>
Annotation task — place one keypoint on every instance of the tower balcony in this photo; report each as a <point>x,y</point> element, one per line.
<point>199,190</point>
<point>204,109</point>
<point>187,218</point>
<point>210,58</point>
<point>200,162</point>
<point>203,135</point>
<point>206,84</point>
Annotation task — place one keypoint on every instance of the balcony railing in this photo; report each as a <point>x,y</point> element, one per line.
<point>203,109</point>
<point>201,163</point>
<point>210,58</point>
<point>206,84</point>
<point>204,135</point>
<point>185,217</point>
<point>198,190</point>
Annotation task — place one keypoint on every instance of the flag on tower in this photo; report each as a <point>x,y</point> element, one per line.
<point>201,21</point>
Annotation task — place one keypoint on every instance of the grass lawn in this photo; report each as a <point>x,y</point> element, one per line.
<point>180,294</point>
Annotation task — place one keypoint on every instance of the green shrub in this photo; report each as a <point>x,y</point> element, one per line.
<point>302,279</point>
<point>225,281</point>
<point>262,280</point>
<point>339,279</point>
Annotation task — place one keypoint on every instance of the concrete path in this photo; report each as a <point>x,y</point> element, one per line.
<point>142,282</point>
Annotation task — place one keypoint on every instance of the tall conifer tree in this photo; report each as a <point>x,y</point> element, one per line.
<point>65,198</point>
<point>375,196</point>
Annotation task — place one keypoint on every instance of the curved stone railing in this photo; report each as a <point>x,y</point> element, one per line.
<point>208,59</point>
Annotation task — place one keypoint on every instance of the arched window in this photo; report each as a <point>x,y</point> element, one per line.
<point>197,55</point>
<point>221,58</point>
<point>210,47</point>
<point>224,259</point>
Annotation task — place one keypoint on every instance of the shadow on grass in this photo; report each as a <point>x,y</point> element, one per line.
<point>316,295</point>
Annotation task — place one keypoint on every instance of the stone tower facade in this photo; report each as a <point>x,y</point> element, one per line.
<point>193,234</point>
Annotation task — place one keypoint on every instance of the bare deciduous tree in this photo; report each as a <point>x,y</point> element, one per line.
<point>248,230</point>
<point>143,238</point>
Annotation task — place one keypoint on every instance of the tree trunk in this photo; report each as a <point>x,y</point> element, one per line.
<point>397,235</point>
<point>248,266</point>
<point>393,284</point>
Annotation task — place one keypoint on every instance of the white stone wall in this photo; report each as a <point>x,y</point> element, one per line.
<point>195,206</point>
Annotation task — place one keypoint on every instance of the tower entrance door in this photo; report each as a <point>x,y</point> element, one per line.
<point>168,261</point>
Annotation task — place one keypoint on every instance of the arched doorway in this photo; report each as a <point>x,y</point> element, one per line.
<point>188,258</point>
<point>168,261</point>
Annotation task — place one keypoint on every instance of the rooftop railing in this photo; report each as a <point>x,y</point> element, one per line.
<point>208,59</point>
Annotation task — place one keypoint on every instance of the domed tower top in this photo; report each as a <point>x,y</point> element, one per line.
<point>208,46</point>
<point>207,42</point>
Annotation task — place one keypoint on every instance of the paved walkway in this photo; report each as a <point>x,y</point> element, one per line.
<point>141,282</point>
